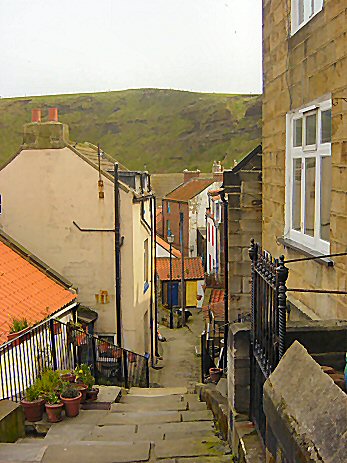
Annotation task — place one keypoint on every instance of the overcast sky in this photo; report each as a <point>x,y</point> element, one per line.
<point>68,46</point>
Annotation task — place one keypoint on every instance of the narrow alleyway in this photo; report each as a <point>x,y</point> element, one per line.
<point>180,365</point>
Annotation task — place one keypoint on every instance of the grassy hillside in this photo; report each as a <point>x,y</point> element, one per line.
<point>164,130</point>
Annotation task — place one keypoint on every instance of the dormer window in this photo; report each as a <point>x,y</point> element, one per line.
<point>303,11</point>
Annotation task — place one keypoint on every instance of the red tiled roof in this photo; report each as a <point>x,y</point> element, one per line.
<point>26,292</point>
<point>164,244</point>
<point>217,295</point>
<point>193,269</point>
<point>189,190</point>
<point>217,309</point>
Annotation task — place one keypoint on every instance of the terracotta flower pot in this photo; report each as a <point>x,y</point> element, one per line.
<point>215,374</point>
<point>54,412</point>
<point>19,341</point>
<point>82,388</point>
<point>92,394</point>
<point>70,377</point>
<point>72,406</point>
<point>33,411</point>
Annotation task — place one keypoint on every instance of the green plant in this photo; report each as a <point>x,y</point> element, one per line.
<point>33,393</point>
<point>50,382</point>
<point>84,375</point>
<point>18,324</point>
<point>52,399</point>
<point>69,391</point>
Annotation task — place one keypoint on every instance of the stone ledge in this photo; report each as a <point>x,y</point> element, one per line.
<point>11,421</point>
<point>217,404</point>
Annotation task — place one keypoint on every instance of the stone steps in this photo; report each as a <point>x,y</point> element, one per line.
<point>160,424</point>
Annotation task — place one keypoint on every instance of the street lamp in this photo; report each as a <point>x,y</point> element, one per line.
<point>170,239</point>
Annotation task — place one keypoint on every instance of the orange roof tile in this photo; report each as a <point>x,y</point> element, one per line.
<point>26,292</point>
<point>193,269</point>
<point>217,295</point>
<point>189,190</point>
<point>164,244</point>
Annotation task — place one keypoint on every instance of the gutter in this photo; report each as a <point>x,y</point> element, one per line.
<point>117,242</point>
<point>156,351</point>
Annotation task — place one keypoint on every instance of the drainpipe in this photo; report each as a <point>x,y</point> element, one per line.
<point>152,281</point>
<point>226,277</point>
<point>155,278</point>
<point>117,239</point>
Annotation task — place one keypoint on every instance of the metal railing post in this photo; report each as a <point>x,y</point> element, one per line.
<point>203,344</point>
<point>125,369</point>
<point>282,275</point>
<point>147,369</point>
<point>53,348</point>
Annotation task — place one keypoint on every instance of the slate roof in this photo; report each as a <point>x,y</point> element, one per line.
<point>194,269</point>
<point>187,191</point>
<point>26,291</point>
<point>164,244</point>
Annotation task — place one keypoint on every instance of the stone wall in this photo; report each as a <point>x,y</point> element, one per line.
<point>243,190</point>
<point>305,412</point>
<point>297,70</point>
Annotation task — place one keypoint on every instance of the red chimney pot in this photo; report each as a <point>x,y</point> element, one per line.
<point>36,115</point>
<point>53,114</point>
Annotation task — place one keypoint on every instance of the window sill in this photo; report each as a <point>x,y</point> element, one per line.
<point>293,245</point>
<point>146,286</point>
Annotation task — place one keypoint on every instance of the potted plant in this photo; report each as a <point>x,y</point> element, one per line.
<point>84,375</point>
<point>71,399</point>
<point>18,327</point>
<point>67,375</point>
<point>54,407</point>
<point>33,403</point>
<point>216,374</point>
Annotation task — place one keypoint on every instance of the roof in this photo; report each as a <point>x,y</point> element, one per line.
<point>243,163</point>
<point>164,244</point>
<point>189,190</point>
<point>217,310</point>
<point>162,184</point>
<point>217,295</point>
<point>26,291</point>
<point>193,268</point>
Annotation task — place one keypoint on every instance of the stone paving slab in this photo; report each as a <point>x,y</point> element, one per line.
<point>140,418</point>
<point>113,433</point>
<point>165,428</point>
<point>22,452</point>
<point>219,459</point>
<point>153,401</point>
<point>97,452</point>
<point>67,433</point>
<point>84,417</point>
<point>157,391</point>
<point>109,393</point>
<point>202,415</point>
<point>144,405</point>
<point>189,448</point>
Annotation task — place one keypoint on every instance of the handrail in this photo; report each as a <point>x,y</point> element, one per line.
<point>57,345</point>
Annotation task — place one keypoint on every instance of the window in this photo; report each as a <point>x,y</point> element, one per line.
<point>168,208</point>
<point>308,179</point>
<point>168,227</point>
<point>303,11</point>
<point>145,265</point>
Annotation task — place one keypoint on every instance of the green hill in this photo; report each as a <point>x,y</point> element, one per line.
<point>164,130</point>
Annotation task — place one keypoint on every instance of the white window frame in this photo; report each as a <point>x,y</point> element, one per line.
<point>311,8</point>
<point>318,151</point>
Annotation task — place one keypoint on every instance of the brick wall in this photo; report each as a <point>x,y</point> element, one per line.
<point>297,70</point>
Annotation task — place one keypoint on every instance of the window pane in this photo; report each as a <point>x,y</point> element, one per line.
<point>325,198</point>
<point>297,132</point>
<point>311,129</point>
<point>326,126</point>
<point>310,178</point>
<point>296,210</point>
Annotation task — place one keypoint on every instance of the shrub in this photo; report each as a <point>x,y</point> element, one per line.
<point>69,391</point>
<point>52,399</point>
<point>18,324</point>
<point>33,393</point>
<point>84,375</point>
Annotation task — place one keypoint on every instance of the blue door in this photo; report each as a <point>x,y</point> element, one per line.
<point>175,294</point>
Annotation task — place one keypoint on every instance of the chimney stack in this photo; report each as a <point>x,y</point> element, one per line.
<point>53,114</point>
<point>217,171</point>
<point>36,115</point>
<point>189,174</point>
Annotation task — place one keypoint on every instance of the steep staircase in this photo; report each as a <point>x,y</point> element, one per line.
<point>167,425</point>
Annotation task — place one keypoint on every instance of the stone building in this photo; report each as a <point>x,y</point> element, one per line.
<point>305,148</point>
<point>243,188</point>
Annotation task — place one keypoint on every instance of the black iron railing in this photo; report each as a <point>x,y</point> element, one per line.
<point>268,325</point>
<point>53,344</point>
<point>207,355</point>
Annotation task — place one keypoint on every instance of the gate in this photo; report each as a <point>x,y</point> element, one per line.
<point>268,325</point>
